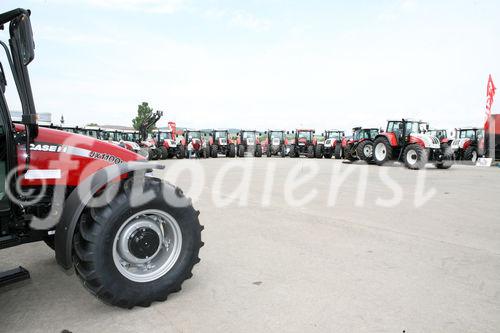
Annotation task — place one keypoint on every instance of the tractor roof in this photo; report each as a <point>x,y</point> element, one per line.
<point>305,130</point>
<point>409,119</point>
<point>275,130</point>
<point>468,128</point>
<point>334,130</point>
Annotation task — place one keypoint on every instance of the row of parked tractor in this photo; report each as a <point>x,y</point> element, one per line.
<point>408,141</point>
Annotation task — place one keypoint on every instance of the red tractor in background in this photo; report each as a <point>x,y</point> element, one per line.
<point>166,142</point>
<point>332,144</point>
<point>407,141</point>
<point>248,141</point>
<point>220,143</point>
<point>275,143</point>
<point>441,134</point>
<point>131,238</point>
<point>303,144</point>
<point>468,144</point>
<point>360,145</point>
<point>195,144</point>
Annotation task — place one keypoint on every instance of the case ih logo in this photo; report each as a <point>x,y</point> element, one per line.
<point>49,148</point>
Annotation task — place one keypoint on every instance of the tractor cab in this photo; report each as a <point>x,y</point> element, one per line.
<point>402,129</point>
<point>92,131</point>
<point>334,135</point>
<point>248,138</point>
<point>220,137</point>
<point>304,136</point>
<point>304,143</point>
<point>471,133</point>
<point>441,134</point>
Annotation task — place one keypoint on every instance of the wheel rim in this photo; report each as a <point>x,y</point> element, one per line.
<point>368,150</point>
<point>411,157</point>
<point>380,152</point>
<point>474,156</point>
<point>147,245</point>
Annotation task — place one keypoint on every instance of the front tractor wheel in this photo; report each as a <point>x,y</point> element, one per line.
<point>310,152</point>
<point>382,151</point>
<point>133,256</point>
<point>365,151</point>
<point>414,157</point>
<point>258,151</point>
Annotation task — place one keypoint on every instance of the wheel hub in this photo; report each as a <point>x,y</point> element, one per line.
<point>143,243</point>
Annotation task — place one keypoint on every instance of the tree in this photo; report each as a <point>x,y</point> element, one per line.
<point>93,124</point>
<point>144,111</point>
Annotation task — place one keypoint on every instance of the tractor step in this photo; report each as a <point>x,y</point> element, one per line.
<point>13,275</point>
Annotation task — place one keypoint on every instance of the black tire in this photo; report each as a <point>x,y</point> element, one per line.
<point>348,153</point>
<point>310,151</point>
<point>231,150</point>
<point>163,153</point>
<point>447,157</point>
<point>471,154</point>
<point>94,246</point>
<point>214,151</point>
<point>241,151</point>
<point>364,152</point>
<point>258,151</point>
<point>292,152</point>
<point>206,152</point>
<point>338,151</point>
<point>415,157</point>
<point>268,153</point>
<point>181,152</point>
<point>386,153</point>
<point>283,151</point>
<point>318,151</point>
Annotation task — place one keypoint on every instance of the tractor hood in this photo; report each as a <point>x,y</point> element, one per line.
<point>426,140</point>
<point>62,158</point>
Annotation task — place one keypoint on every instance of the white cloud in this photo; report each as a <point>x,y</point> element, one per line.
<point>249,21</point>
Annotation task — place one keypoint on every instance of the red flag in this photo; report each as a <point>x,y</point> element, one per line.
<point>490,94</point>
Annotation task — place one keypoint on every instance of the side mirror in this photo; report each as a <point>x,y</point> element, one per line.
<point>314,132</point>
<point>23,34</point>
<point>265,132</point>
<point>293,132</point>
<point>287,132</point>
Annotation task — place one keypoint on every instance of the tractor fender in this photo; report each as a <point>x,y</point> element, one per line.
<point>75,204</point>
<point>417,140</point>
<point>391,137</point>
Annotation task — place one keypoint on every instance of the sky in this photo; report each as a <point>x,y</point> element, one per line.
<point>263,64</point>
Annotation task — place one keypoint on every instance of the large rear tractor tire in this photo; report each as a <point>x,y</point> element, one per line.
<point>231,150</point>
<point>310,151</point>
<point>339,153</point>
<point>283,151</point>
<point>382,151</point>
<point>447,161</point>
<point>268,152</point>
<point>318,151</point>
<point>133,256</point>
<point>241,151</point>
<point>214,151</point>
<point>163,153</point>
<point>415,157</point>
<point>258,151</point>
<point>292,152</point>
<point>349,153</point>
<point>471,155</point>
<point>181,152</point>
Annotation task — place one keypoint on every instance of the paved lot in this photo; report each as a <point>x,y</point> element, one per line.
<point>430,263</point>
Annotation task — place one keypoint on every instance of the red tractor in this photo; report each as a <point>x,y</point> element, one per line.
<point>360,145</point>
<point>332,144</point>
<point>131,238</point>
<point>468,144</point>
<point>195,144</point>
<point>407,141</point>
<point>221,143</point>
<point>275,143</point>
<point>304,143</point>
<point>248,141</point>
<point>167,144</point>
